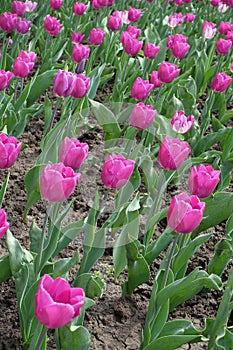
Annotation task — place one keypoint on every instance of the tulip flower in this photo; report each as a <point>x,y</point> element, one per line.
<point>178,2</point>
<point>79,8</point>
<point>123,15</point>
<point>167,72</point>
<point>4,225</point>
<point>77,38</point>
<point>80,52</point>
<point>180,123</point>
<point>208,30</point>
<point>229,36</point>
<point>175,19</point>
<point>55,4</point>
<point>141,89</point>
<point>133,31</point>
<point>81,86</point>
<point>57,182</point>
<point>185,213</point>
<point>225,27</point>
<point>24,64</point>
<point>30,6</point>
<point>180,49</point>
<point>22,26</point>
<point>114,22</point>
<point>155,80</point>
<point>8,21</point>
<point>131,45</point>
<point>223,46</point>
<point>73,153</point>
<point>215,2</point>
<point>190,17</point>
<point>117,171</point>
<point>63,83</point>
<point>221,82</point>
<point>5,78</point>
<point>18,7</point>
<point>52,25</point>
<point>177,37</point>
<point>56,302</point>
<point>106,2</point>
<point>151,51</point>
<point>9,150</point>
<point>142,116</point>
<point>97,36</point>
<point>203,180</point>
<point>134,14</point>
<point>173,153</point>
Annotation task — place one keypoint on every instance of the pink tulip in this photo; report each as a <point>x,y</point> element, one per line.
<point>141,89</point>
<point>131,45</point>
<point>203,180</point>
<point>97,36</point>
<point>80,52</point>
<point>215,2</point>
<point>190,17</point>
<point>8,21</point>
<point>56,302</point>
<point>133,31</point>
<point>151,51</point>
<point>221,82</point>
<point>185,213</point>
<point>52,25</point>
<point>81,86</point>
<point>79,8</point>
<point>173,153</point>
<point>114,22</point>
<point>55,4</point>
<point>222,7</point>
<point>117,171</point>
<point>223,46</point>
<point>95,4</point>
<point>174,38</point>
<point>229,36</point>
<point>175,19</point>
<point>23,26</point>
<point>77,38</point>
<point>167,72</point>
<point>9,150</point>
<point>155,80</point>
<point>225,27</point>
<point>123,15</point>
<point>106,2</point>
<point>24,64</point>
<point>134,14</point>
<point>5,78</point>
<point>179,49</point>
<point>73,153</point>
<point>63,83</point>
<point>4,225</point>
<point>142,116</point>
<point>18,7</point>
<point>57,182</point>
<point>180,123</point>
<point>30,6</point>
<point>178,2</point>
<point>208,30</point>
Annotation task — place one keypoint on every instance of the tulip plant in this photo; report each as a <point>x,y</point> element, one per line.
<point>166,119</point>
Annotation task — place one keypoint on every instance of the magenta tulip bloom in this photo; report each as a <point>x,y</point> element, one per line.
<point>173,153</point>
<point>9,150</point>
<point>4,225</point>
<point>123,15</point>
<point>142,116</point>
<point>225,27</point>
<point>24,64</point>
<point>180,123</point>
<point>185,213</point>
<point>5,78</point>
<point>151,51</point>
<point>77,38</point>
<point>30,6</point>
<point>208,30</point>
<point>175,19</point>
<point>63,83</point>
<point>23,26</point>
<point>134,14</point>
<point>55,4</point>
<point>80,52</point>
<point>203,180</point>
<point>190,17</point>
<point>141,89</point>
<point>223,46</point>
<point>131,45</point>
<point>57,182</point>
<point>179,49</point>
<point>114,22</point>
<point>117,171</point>
<point>155,80</point>
<point>52,25</point>
<point>81,86</point>
<point>215,2</point>
<point>221,82</point>
<point>167,72</point>
<point>8,21</point>
<point>97,36</point>
<point>19,7</point>
<point>177,37</point>
<point>79,8</point>
<point>133,31</point>
<point>56,302</point>
<point>73,153</point>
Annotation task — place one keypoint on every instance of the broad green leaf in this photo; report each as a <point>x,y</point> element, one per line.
<point>171,342</point>
<point>35,237</point>
<point>92,285</point>
<point>74,337</point>
<point>223,252</point>
<point>3,189</point>
<point>95,77</point>
<point>62,266</point>
<point>5,268</point>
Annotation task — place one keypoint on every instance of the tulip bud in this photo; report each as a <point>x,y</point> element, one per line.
<point>221,82</point>
<point>142,116</point>
<point>151,51</point>
<point>57,182</point>
<point>52,25</point>
<point>185,213</point>
<point>18,7</point>
<point>81,86</point>
<point>167,72</point>
<point>134,14</point>
<point>114,22</point>
<point>77,38</point>
<point>30,6</point>
<point>203,180</point>
<point>175,19</point>
<point>116,171</point>
<point>97,36</point>
<point>5,78</point>
<point>177,37</point>
<point>225,27</point>
<point>133,31</point>
<point>180,49</point>
<point>208,30</point>
<point>55,4</point>
<point>9,150</point>
<point>223,46</point>
<point>173,153</point>
<point>24,64</point>
<point>155,80</point>
<point>190,17</point>
<point>80,52</point>
<point>141,89</point>
<point>132,46</point>
<point>56,302</point>
<point>123,15</point>
<point>8,21</point>
<point>180,123</point>
<point>4,225</point>
<point>79,8</point>
<point>73,153</point>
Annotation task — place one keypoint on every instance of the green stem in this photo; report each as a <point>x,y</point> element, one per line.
<point>40,340</point>
<point>53,115</point>
<point>16,88</point>
<point>3,46</point>
<point>43,234</point>
<point>169,260</point>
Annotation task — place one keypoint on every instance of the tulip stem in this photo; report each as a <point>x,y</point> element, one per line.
<point>40,340</point>
<point>169,260</point>
<point>158,94</point>
<point>53,115</point>
<point>40,251</point>
<point>16,88</point>
<point>3,45</point>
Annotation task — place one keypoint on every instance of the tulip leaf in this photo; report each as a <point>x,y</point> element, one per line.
<point>5,268</point>
<point>63,266</point>
<point>223,252</point>
<point>3,189</point>
<point>35,237</point>
<point>171,342</point>
<point>95,81</point>
<point>92,285</point>
<point>74,337</point>
<point>47,113</point>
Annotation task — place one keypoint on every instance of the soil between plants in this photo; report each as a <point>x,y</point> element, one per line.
<point>114,323</point>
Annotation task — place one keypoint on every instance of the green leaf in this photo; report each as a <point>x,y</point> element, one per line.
<point>3,189</point>
<point>179,327</point>
<point>124,194</point>
<point>35,237</point>
<point>171,342</point>
<point>47,113</point>
<point>223,252</point>
<point>62,266</point>
<point>74,337</point>
<point>92,285</point>
<point>5,268</point>
<point>95,80</point>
